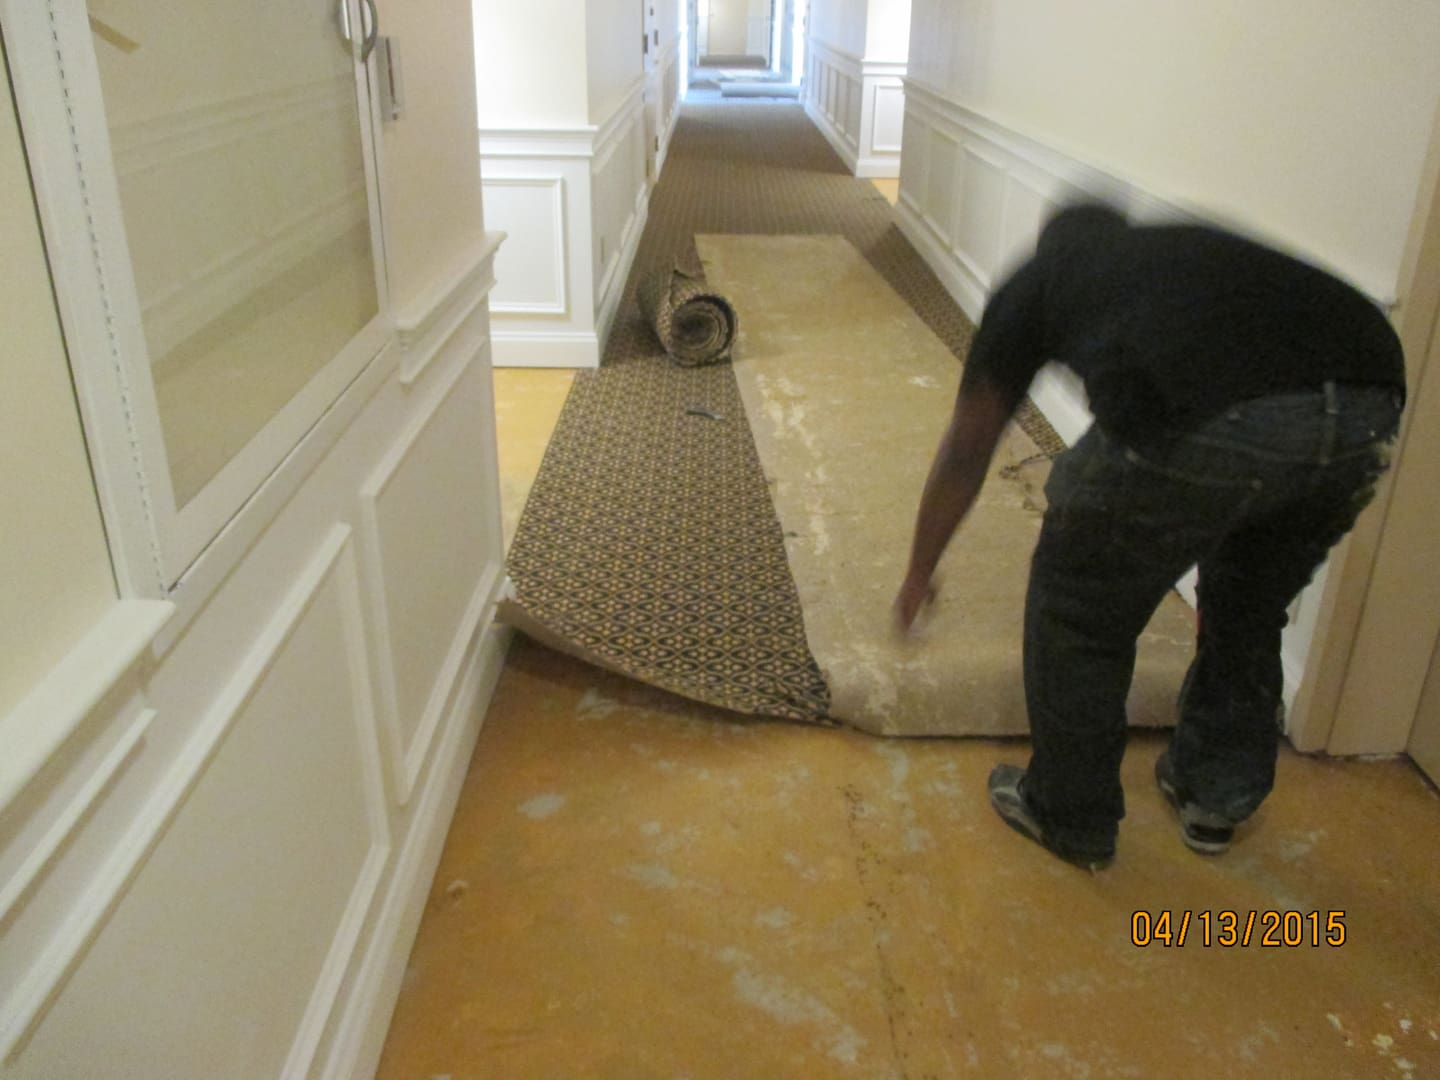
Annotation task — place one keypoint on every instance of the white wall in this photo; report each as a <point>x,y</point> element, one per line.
<point>887,30</point>
<point>840,24</point>
<point>1307,119</point>
<point>530,64</point>
<point>54,566</point>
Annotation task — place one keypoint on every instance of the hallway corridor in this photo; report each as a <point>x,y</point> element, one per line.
<point>636,885</point>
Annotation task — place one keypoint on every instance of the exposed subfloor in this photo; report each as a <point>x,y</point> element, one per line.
<point>638,886</point>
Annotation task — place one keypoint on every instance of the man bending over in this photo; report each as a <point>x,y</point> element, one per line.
<point>1244,404</point>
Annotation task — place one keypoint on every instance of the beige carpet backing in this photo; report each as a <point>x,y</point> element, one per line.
<point>847,393</point>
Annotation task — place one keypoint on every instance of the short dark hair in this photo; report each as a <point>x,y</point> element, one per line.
<point>1078,223</point>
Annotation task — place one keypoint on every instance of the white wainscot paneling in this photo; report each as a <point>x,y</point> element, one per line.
<point>889,118</point>
<point>266,841</point>
<point>980,214</point>
<point>530,269</point>
<point>427,598</point>
<point>621,202</point>
<point>942,181</point>
<point>528,328</point>
<point>859,106</point>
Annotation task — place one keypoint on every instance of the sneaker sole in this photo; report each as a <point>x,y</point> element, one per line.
<point>1194,843</point>
<point>1027,827</point>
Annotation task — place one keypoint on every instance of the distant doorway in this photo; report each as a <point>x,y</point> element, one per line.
<point>734,33</point>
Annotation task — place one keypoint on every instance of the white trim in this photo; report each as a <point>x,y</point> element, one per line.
<point>1082,177</point>
<point>89,260</point>
<point>64,822</point>
<point>822,50</point>
<point>610,130</point>
<point>65,697</point>
<point>560,305</point>
<point>538,142</point>
<point>28,998</point>
<point>226,551</point>
<point>884,69</point>
<point>405,760</point>
<point>544,348</point>
<point>326,990</point>
<point>361,1027</point>
<point>612,287</point>
<point>426,325</point>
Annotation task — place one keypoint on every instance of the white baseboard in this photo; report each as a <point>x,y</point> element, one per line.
<point>878,167</point>
<point>360,1034</point>
<point>539,349</point>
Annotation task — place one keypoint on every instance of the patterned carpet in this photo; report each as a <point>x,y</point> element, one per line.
<point>649,544</point>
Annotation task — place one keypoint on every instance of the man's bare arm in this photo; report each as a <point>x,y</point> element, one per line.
<point>955,479</point>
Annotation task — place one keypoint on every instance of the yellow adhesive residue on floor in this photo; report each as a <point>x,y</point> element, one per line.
<point>889,187</point>
<point>527,405</point>
<point>636,886</point>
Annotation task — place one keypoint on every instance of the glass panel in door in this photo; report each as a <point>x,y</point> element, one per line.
<point>237,141</point>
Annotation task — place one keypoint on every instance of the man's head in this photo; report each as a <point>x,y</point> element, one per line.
<point>1078,225</point>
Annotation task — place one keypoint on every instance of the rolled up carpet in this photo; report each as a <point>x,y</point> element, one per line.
<point>695,326</point>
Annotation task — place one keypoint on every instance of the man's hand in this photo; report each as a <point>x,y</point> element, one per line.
<point>915,593</point>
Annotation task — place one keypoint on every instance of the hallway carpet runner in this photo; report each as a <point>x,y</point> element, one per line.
<point>650,544</point>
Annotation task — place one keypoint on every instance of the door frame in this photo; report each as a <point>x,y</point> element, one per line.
<point>1380,618</point>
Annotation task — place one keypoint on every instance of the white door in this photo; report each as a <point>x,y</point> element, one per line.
<point>729,24</point>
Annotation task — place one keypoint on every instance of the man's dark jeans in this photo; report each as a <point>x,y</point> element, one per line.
<point>1256,497</point>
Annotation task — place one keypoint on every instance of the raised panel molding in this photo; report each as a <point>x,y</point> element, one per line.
<point>531,271</point>
<point>409,737</point>
<point>361,1026</point>
<point>361,900</point>
<point>51,960</point>
<point>888,105</point>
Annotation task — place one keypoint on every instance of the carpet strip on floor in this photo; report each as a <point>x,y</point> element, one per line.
<point>650,544</point>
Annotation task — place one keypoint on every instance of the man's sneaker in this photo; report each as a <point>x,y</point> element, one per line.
<point>1009,802</point>
<point>1202,830</point>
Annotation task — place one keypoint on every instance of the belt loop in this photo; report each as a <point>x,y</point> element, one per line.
<point>1332,402</point>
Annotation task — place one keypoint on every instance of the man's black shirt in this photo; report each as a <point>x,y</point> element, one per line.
<point>1168,325</point>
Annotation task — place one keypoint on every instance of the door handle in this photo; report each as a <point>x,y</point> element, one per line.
<point>371,33</point>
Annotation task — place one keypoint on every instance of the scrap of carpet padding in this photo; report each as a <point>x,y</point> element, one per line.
<point>847,393</point>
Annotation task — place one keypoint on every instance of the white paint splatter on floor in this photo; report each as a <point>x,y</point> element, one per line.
<point>790,1005</point>
<point>775,919</point>
<point>543,806</point>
